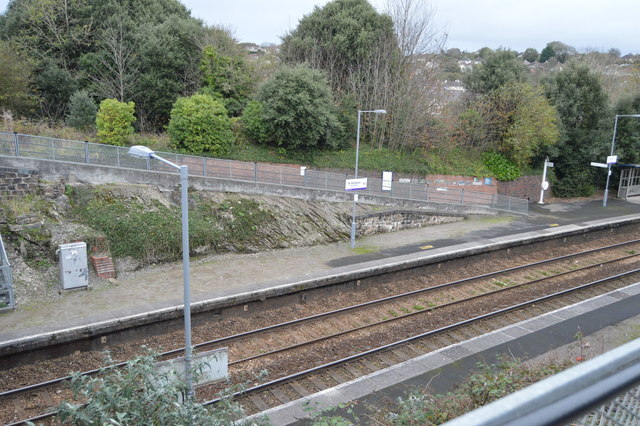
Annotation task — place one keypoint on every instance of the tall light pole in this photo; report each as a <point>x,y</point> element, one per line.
<point>146,153</point>
<point>613,144</point>
<point>355,194</point>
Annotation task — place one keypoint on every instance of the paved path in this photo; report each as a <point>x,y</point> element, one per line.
<point>229,274</point>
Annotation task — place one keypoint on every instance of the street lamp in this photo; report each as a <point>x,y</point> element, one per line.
<point>355,194</point>
<point>146,153</point>
<point>613,144</point>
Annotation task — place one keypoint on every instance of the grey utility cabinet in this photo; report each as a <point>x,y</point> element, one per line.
<point>74,272</point>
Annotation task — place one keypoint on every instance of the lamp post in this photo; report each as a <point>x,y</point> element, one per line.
<point>146,153</point>
<point>355,194</point>
<point>613,144</point>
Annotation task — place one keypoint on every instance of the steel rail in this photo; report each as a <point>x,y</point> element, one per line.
<point>30,388</point>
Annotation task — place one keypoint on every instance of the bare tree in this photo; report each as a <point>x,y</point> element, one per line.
<point>413,93</point>
<point>115,73</point>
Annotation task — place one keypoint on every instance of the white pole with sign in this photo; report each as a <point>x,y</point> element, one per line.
<point>545,183</point>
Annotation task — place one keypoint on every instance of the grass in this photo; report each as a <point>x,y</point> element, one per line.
<point>365,250</point>
<point>218,225</point>
<point>451,161</point>
<point>487,383</point>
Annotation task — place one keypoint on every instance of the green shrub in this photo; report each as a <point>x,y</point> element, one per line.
<point>199,123</point>
<point>131,396</point>
<point>577,183</point>
<point>82,111</point>
<point>500,166</point>
<point>254,127</point>
<point>114,122</point>
<point>298,111</point>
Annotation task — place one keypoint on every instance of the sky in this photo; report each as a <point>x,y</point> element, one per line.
<point>470,24</point>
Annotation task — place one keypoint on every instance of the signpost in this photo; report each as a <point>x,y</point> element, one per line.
<point>545,183</point>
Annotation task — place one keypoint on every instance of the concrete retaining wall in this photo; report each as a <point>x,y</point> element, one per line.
<point>94,174</point>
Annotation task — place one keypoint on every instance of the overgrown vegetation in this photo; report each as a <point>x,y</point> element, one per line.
<point>488,383</point>
<point>132,395</point>
<point>152,231</point>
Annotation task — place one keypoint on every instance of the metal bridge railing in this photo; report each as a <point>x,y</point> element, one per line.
<point>15,144</point>
<point>601,391</point>
<point>7,300</point>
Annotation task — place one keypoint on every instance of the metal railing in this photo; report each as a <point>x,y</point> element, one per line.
<point>7,300</point>
<point>601,391</point>
<point>20,145</point>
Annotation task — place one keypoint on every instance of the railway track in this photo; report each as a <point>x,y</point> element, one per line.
<point>335,346</point>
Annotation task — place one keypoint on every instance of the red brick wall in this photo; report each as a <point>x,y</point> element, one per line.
<point>523,187</point>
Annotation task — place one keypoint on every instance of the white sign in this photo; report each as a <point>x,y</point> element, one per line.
<point>211,366</point>
<point>355,184</point>
<point>612,159</point>
<point>599,165</point>
<point>387,178</point>
<point>404,180</point>
<point>303,170</point>
<point>550,164</point>
<point>545,185</point>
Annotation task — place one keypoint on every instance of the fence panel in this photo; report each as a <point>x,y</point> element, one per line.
<point>7,144</point>
<point>113,156</point>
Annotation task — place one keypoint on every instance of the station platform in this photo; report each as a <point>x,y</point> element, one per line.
<point>160,288</point>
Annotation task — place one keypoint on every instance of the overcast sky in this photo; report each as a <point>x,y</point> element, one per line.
<point>470,24</point>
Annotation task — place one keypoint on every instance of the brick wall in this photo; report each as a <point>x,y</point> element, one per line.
<point>17,182</point>
<point>524,187</point>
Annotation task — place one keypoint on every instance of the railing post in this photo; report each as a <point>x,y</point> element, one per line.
<point>255,172</point>
<point>204,166</point>
<point>16,143</point>
<point>86,152</point>
<point>53,150</point>
<point>462,197</point>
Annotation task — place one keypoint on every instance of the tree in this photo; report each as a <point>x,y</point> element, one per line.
<point>114,122</point>
<point>577,94</point>
<point>530,55</point>
<point>521,120</point>
<point>112,66</point>
<point>498,68</point>
<point>546,54</point>
<point>15,81</point>
<point>556,49</point>
<point>297,111</point>
<point>628,133</point>
<point>228,76</point>
<point>198,124</point>
<point>339,38</point>
<point>55,86</point>
<point>82,111</point>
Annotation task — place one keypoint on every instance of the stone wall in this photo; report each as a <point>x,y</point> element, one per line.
<point>395,220</point>
<point>17,182</point>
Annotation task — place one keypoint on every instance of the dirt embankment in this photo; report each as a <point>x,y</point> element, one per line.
<point>140,226</point>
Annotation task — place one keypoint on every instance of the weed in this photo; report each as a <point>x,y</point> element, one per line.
<point>631,252</point>
<point>418,308</point>
<point>405,310</point>
<point>393,313</point>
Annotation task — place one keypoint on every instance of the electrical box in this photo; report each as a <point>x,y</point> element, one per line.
<point>74,272</point>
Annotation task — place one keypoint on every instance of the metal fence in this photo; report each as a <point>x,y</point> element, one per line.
<point>15,144</point>
<point>7,300</point>
<point>601,391</point>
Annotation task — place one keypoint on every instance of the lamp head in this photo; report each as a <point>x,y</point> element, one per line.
<point>380,111</point>
<point>140,151</point>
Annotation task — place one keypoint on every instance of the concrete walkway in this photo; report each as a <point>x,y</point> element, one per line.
<point>229,274</point>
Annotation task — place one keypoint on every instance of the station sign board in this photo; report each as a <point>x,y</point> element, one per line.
<point>355,184</point>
